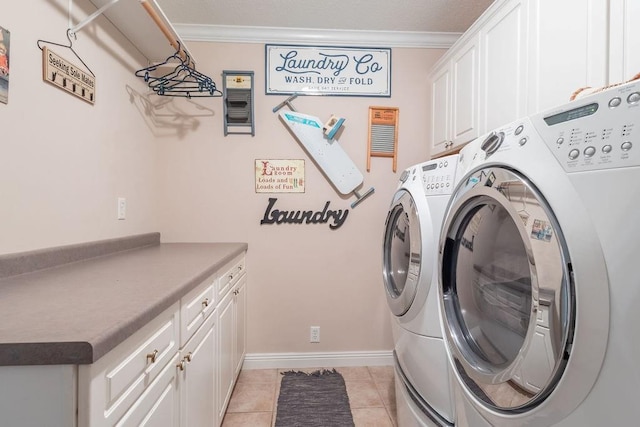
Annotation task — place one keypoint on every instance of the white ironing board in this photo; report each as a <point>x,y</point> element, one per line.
<point>327,153</point>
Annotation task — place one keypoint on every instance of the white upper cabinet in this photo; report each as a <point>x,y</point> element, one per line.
<point>624,42</point>
<point>454,102</point>
<point>568,50</point>
<point>503,44</point>
<point>441,109</point>
<point>525,56</point>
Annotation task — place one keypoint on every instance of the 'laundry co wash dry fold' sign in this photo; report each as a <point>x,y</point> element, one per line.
<point>326,70</point>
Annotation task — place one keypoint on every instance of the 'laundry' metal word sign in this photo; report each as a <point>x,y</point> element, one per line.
<point>335,218</point>
<point>327,70</point>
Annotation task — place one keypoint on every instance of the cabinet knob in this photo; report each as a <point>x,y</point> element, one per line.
<point>181,365</point>
<point>152,356</point>
<point>189,356</point>
<point>205,303</point>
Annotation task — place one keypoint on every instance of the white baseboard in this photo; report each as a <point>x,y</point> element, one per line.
<point>317,360</point>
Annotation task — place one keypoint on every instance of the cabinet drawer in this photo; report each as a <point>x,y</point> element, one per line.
<point>159,404</point>
<point>230,274</point>
<point>195,307</point>
<point>140,366</point>
<point>109,387</point>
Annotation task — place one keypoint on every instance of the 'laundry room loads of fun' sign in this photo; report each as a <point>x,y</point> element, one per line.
<point>326,70</point>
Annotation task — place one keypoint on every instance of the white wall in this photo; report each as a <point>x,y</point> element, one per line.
<point>64,162</point>
<point>299,275</point>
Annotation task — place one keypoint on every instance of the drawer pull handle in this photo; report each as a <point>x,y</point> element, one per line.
<point>181,365</point>
<point>205,303</point>
<point>152,356</point>
<point>189,356</point>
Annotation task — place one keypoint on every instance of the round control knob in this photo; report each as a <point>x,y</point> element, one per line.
<point>446,163</point>
<point>519,130</point>
<point>560,141</point>
<point>614,102</point>
<point>492,142</point>
<point>626,146</point>
<point>573,154</point>
<point>589,151</point>
<point>633,98</point>
<point>523,140</point>
<point>607,149</point>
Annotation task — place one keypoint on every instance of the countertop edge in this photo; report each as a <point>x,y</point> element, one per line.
<point>90,348</point>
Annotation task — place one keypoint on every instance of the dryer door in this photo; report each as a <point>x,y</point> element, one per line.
<point>507,290</point>
<point>401,253</point>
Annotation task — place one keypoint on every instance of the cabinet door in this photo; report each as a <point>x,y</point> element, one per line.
<point>241,323</point>
<point>441,110</point>
<point>196,374</point>
<point>624,44</point>
<point>503,66</point>
<point>226,347</point>
<point>464,67</point>
<point>568,50</point>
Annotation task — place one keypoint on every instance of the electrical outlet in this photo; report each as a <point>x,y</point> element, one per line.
<point>315,334</point>
<point>122,208</point>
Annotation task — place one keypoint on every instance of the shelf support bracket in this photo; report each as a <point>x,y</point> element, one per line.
<point>91,17</point>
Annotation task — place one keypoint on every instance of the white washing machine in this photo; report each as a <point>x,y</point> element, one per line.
<point>538,255</point>
<point>412,232</point>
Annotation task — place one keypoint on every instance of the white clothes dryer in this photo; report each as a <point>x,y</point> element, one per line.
<point>410,246</point>
<point>537,256</point>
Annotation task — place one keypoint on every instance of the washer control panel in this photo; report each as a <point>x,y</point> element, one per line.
<point>438,175</point>
<point>601,131</point>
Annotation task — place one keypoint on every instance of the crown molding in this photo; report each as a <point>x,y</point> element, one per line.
<point>240,34</point>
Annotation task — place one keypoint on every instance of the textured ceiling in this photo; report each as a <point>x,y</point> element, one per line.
<point>367,15</point>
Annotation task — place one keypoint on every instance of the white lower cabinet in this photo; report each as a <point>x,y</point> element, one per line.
<point>231,333</point>
<point>178,370</point>
<point>135,380</point>
<point>196,377</point>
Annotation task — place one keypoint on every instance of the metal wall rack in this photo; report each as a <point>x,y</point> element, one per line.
<point>238,102</point>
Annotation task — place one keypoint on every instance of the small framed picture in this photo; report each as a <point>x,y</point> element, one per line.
<point>5,43</point>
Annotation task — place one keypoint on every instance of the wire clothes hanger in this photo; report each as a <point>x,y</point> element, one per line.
<point>69,46</point>
<point>183,80</point>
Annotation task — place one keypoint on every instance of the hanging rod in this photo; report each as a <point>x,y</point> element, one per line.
<point>158,18</point>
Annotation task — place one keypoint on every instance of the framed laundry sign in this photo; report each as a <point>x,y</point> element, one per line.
<point>327,70</point>
<point>279,176</point>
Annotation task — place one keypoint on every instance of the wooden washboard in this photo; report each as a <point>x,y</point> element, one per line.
<point>383,134</point>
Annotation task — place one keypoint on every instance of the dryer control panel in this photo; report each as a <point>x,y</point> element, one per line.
<point>438,175</point>
<point>600,131</point>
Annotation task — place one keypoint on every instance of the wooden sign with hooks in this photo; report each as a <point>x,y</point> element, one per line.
<point>63,74</point>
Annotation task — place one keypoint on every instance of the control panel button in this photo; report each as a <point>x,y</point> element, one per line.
<point>560,141</point>
<point>523,140</point>
<point>573,154</point>
<point>519,130</point>
<point>614,102</point>
<point>626,146</point>
<point>607,149</point>
<point>589,151</point>
<point>633,98</point>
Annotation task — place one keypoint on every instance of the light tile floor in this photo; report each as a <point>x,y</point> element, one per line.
<point>370,389</point>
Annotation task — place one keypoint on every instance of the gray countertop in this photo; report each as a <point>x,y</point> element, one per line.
<point>76,312</point>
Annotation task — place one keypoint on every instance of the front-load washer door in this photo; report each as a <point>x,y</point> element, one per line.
<point>401,253</point>
<point>507,294</point>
